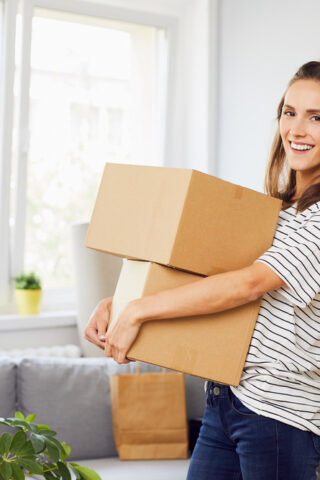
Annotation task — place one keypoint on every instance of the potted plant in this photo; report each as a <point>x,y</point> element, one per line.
<point>28,293</point>
<point>34,450</point>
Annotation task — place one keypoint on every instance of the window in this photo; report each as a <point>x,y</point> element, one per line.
<point>93,98</point>
<point>86,89</point>
<point>65,110</point>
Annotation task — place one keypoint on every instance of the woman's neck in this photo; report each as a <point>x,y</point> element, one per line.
<point>303,181</point>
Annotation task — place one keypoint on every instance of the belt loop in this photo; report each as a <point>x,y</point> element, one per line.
<point>205,386</point>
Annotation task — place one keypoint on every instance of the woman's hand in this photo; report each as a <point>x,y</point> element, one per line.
<point>98,323</point>
<point>123,333</point>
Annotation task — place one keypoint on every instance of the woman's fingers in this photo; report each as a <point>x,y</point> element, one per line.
<point>98,323</point>
<point>108,350</point>
<point>102,327</point>
<point>118,338</point>
<point>91,335</point>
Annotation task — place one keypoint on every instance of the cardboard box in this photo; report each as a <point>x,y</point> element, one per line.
<point>181,218</point>
<point>211,346</point>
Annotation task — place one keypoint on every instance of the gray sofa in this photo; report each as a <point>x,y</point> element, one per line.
<point>72,396</point>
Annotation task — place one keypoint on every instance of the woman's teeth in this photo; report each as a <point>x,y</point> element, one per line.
<point>300,147</point>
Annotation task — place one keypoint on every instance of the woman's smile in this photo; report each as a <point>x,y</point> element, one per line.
<point>300,147</point>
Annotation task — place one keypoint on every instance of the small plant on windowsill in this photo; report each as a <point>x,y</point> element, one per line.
<point>28,293</point>
<point>34,450</point>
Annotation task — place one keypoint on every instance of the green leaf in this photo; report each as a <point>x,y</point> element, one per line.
<point>86,472</point>
<point>5,422</point>
<point>5,441</point>
<point>49,476</point>
<point>55,474</point>
<point>77,474</point>
<point>49,465</point>
<point>47,432</point>
<point>27,281</point>
<point>19,415</point>
<point>42,425</point>
<point>17,473</point>
<point>26,450</point>
<point>31,465</point>
<point>38,442</point>
<point>31,418</point>
<point>18,441</point>
<point>53,451</point>
<point>63,469</point>
<point>67,450</point>
<point>55,442</point>
<point>20,423</point>
<point>33,427</point>
<point>6,470</point>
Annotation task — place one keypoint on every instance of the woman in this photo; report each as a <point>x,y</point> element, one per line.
<point>269,426</point>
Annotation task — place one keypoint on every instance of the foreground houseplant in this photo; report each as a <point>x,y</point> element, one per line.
<point>28,293</point>
<point>34,450</point>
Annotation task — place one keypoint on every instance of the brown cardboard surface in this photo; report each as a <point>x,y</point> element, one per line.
<point>181,218</point>
<point>209,346</point>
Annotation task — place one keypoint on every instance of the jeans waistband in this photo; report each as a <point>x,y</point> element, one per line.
<point>216,389</point>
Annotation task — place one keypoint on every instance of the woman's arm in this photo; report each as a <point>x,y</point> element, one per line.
<point>207,295</point>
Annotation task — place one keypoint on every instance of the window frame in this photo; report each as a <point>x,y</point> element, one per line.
<point>6,123</point>
<point>12,265</point>
<point>190,125</point>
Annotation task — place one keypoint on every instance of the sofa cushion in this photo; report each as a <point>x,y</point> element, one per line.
<point>72,396</point>
<point>195,396</point>
<point>7,391</point>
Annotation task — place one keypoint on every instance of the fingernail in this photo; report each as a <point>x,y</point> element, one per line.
<point>102,337</point>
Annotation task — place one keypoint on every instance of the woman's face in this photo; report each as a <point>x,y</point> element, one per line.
<point>300,127</point>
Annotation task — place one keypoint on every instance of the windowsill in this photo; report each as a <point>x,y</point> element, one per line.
<point>14,321</point>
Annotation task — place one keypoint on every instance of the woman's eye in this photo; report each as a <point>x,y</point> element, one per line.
<point>288,113</point>
<point>316,118</point>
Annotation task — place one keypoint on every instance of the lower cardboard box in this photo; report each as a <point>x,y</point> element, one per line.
<point>211,346</point>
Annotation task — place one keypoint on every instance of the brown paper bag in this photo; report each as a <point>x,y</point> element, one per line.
<point>149,415</point>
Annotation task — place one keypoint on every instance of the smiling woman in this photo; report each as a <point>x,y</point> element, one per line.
<point>268,427</point>
<point>296,146</point>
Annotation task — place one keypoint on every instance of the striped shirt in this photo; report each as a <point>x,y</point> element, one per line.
<point>281,375</point>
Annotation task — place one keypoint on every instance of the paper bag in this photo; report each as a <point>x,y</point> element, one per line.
<point>149,415</point>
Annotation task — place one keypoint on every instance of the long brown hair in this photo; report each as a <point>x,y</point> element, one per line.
<point>280,179</point>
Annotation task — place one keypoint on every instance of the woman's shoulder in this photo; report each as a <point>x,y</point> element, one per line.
<point>291,207</point>
<point>312,211</point>
<point>291,220</point>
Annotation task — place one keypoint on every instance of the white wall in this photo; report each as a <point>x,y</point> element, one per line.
<point>261,45</point>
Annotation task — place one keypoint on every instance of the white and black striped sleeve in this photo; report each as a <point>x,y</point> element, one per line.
<point>296,259</point>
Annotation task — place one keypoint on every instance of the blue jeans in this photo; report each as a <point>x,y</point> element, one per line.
<point>237,444</point>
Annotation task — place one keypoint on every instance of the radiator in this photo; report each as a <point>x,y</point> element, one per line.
<point>53,351</point>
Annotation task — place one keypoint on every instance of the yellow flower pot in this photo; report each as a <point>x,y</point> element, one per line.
<point>28,301</point>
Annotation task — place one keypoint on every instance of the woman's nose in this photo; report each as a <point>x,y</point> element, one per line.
<point>298,129</point>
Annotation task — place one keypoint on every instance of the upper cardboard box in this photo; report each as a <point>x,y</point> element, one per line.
<point>180,218</point>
